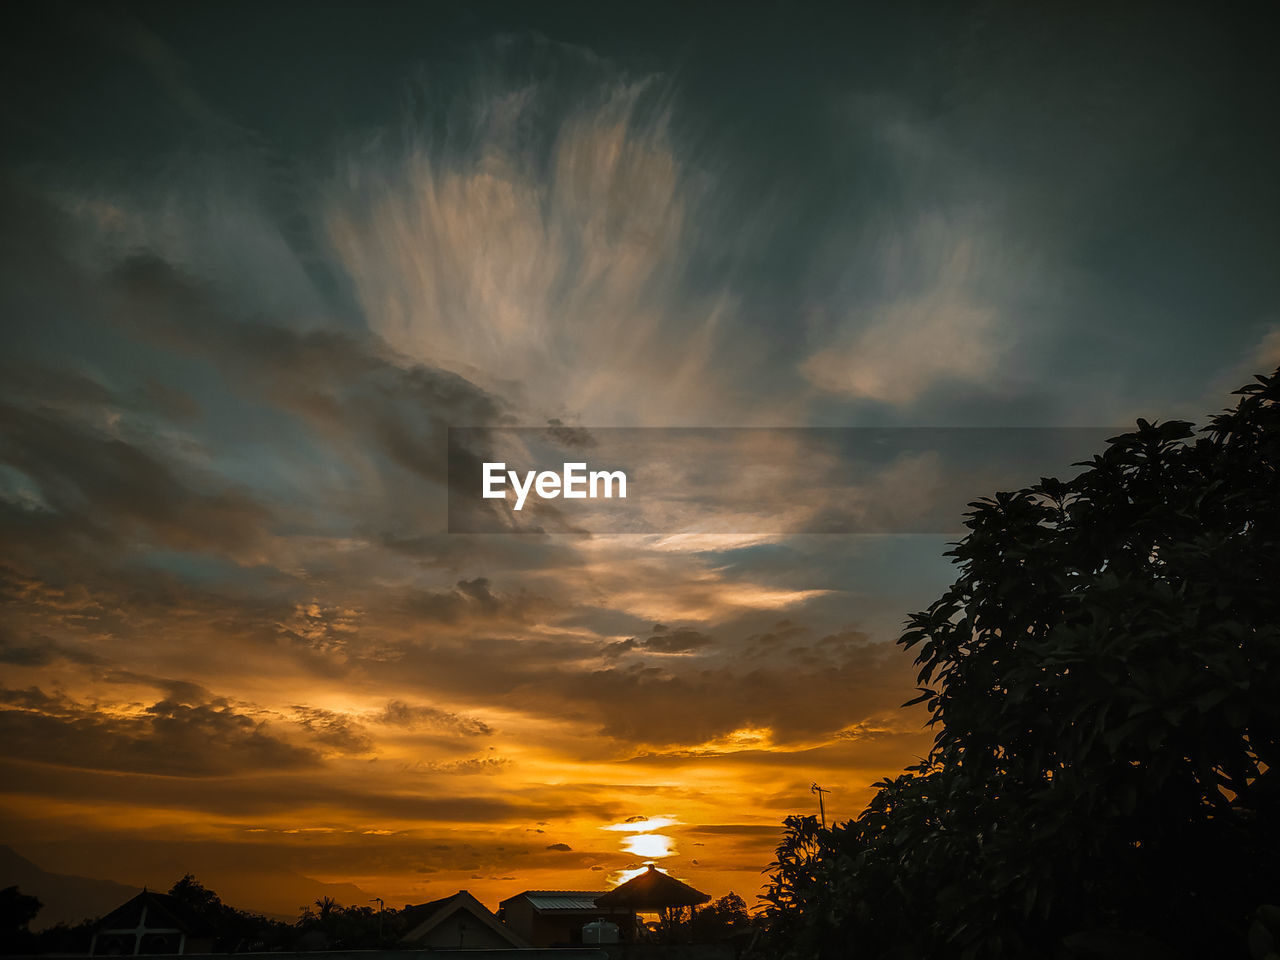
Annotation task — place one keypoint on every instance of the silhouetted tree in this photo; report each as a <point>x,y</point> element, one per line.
<point>236,929</point>
<point>720,919</point>
<point>1104,676</point>
<point>66,938</point>
<point>354,927</point>
<point>201,901</point>
<point>17,910</point>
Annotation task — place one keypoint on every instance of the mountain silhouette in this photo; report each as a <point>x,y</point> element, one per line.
<point>65,897</point>
<point>277,893</point>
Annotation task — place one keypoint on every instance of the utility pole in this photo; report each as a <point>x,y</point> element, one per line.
<point>821,809</point>
<point>381,906</point>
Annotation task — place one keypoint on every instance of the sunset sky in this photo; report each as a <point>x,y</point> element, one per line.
<point>258,258</point>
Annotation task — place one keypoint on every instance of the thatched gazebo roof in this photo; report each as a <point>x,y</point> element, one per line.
<point>651,891</point>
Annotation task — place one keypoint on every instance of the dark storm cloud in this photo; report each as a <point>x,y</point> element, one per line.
<point>294,793</point>
<point>489,766</point>
<point>153,607</point>
<point>400,714</point>
<point>329,377</point>
<point>107,489</point>
<point>680,640</point>
<point>573,438</point>
<point>186,692</point>
<point>351,390</point>
<point>32,698</point>
<point>57,389</point>
<point>166,738</point>
<point>909,740</point>
<point>799,690</point>
<point>75,393</point>
<point>653,706</point>
<point>183,351</point>
<point>661,640</point>
<point>127,459</point>
<point>35,650</point>
<point>336,731</point>
<point>474,600</point>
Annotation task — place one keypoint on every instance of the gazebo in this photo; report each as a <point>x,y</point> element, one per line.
<point>655,892</point>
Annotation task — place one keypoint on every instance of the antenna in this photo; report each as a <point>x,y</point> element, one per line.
<point>821,809</point>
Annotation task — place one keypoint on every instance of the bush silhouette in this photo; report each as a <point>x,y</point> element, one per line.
<point>1104,679</point>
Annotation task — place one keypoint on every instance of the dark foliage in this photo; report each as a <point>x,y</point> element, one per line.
<point>64,938</point>
<point>331,925</point>
<point>199,900</point>
<point>327,925</point>
<point>236,929</point>
<point>17,910</point>
<point>721,919</point>
<point>1104,677</point>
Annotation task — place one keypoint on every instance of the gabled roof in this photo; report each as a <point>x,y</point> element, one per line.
<point>163,911</point>
<point>652,890</point>
<point>438,911</point>
<point>414,913</point>
<point>550,901</point>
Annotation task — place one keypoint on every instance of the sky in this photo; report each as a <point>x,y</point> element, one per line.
<point>259,258</point>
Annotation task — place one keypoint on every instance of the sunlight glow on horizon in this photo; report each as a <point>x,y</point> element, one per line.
<point>651,845</point>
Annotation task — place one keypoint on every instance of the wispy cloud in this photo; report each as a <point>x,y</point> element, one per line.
<point>936,333</point>
<point>541,248</point>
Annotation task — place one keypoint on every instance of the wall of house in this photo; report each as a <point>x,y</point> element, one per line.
<point>544,929</point>
<point>556,929</point>
<point>462,931</point>
<point>518,915</point>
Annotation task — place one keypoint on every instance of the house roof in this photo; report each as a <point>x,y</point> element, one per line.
<point>652,890</point>
<point>551,901</point>
<point>438,911</point>
<point>163,911</point>
<point>414,913</point>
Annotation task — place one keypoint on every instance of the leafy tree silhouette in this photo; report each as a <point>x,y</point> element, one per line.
<point>1104,677</point>
<point>17,910</point>
<point>354,927</point>
<point>326,906</point>
<point>720,919</point>
<point>200,900</point>
<point>236,929</point>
